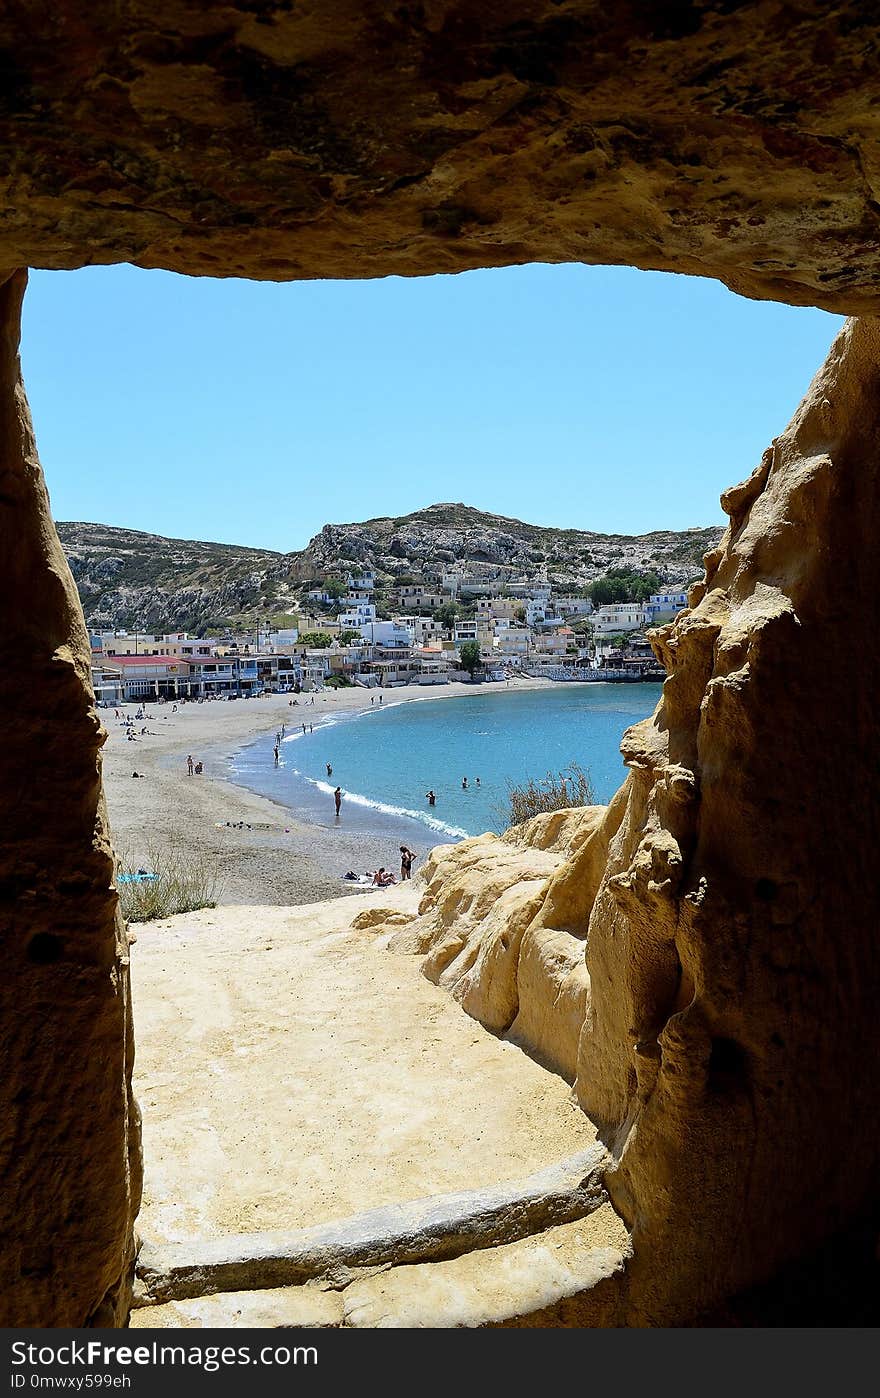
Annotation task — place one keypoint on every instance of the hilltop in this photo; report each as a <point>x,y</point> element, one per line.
<point>127,578</point>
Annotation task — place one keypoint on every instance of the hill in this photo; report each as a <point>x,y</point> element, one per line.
<point>130,579</point>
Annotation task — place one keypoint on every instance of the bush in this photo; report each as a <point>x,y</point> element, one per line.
<point>337,682</point>
<point>557,792</point>
<point>469,657</point>
<point>186,880</point>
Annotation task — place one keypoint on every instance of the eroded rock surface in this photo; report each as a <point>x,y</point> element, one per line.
<point>354,140</point>
<point>729,1055</point>
<point>503,923</point>
<point>69,1137</point>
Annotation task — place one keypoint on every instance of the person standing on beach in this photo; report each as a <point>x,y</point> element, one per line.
<point>190,765</point>
<point>407,859</point>
<point>337,797</point>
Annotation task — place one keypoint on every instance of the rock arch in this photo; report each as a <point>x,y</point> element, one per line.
<point>729,1052</point>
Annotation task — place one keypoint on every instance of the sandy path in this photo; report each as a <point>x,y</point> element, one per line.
<point>292,1071</point>
<point>288,861</point>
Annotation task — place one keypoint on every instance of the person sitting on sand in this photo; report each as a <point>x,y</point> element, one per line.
<point>383,878</point>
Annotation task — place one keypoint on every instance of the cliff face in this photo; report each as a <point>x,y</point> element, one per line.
<point>731,948</point>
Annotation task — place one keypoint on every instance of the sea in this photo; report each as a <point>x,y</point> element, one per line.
<point>387,757</point>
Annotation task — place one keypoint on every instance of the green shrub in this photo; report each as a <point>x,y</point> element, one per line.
<point>337,682</point>
<point>557,792</point>
<point>186,880</point>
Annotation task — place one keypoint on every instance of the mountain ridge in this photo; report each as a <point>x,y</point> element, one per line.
<point>129,578</point>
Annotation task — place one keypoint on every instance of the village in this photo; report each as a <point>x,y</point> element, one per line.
<point>454,626</point>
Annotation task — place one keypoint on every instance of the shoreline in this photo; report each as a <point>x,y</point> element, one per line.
<point>267,853</point>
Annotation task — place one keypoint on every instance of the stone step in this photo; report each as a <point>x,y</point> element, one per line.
<point>421,1230</point>
<point>569,1274</point>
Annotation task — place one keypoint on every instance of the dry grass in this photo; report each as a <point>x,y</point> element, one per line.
<point>186,880</point>
<point>558,791</point>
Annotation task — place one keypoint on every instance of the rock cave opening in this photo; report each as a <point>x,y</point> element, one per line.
<point>738,144</point>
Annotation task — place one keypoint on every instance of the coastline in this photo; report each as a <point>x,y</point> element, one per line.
<point>281,858</point>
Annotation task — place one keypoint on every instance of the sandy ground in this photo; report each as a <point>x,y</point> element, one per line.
<point>292,1071</point>
<point>281,860</point>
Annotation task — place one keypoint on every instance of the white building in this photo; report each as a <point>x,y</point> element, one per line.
<point>572,606</point>
<point>619,616</point>
<point>365,581</point>
<point>663,606</point>
<point>538,591</point>
<point>359,615</point>
<point>513,641</point>
<point>423,628</point>
<point>385,633</point>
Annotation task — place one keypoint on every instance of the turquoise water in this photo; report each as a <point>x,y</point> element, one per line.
<point>385,759</point>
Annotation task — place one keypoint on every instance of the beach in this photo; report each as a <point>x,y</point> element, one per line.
<point>276,858</point>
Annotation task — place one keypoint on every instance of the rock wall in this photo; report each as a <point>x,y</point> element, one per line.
<point>69,1139</point>
<point>352,139</point>
<point>502,926</point>
<point>729,1055</point>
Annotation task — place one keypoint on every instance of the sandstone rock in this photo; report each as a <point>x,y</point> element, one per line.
<point>729,1048</point>
<point>735,142</point>
<point>502,926</point>
<point>69,1137</point>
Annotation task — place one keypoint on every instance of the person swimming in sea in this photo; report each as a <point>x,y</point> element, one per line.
<point>430,798</point>
<point>464,785</point>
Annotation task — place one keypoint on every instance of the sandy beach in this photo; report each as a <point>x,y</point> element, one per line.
<point>280,859</point>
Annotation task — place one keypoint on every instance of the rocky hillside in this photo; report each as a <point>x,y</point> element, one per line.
<point>130,579</point>
<point>430,541</point>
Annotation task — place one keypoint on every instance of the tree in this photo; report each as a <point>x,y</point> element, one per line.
<point>520,614</point>
<point>469,657</point>
<point>623,585</point>
<point>316,640</point>
<point>447,615</point>
<point>335,589</point>
<point>348,638</point>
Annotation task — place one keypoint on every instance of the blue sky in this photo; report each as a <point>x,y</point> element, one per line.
<point>253,413</point>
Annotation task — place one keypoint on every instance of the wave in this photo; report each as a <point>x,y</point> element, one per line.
<point>386,809</point>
